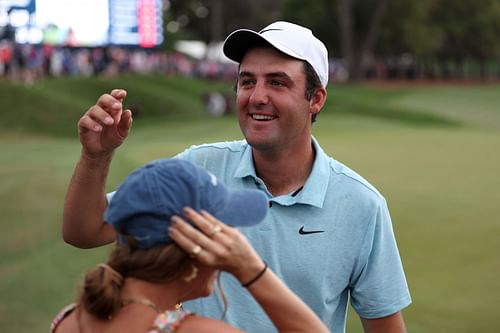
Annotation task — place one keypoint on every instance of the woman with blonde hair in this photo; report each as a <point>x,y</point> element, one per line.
<point>171,246</point>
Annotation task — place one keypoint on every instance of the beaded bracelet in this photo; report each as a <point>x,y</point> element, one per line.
<point>258,276</point>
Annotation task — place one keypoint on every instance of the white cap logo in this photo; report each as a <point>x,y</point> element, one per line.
<point>213,179</point>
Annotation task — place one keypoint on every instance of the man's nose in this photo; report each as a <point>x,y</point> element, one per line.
<point>259,94</point>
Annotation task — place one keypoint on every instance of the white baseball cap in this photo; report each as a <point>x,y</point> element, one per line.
<point>289,38</point>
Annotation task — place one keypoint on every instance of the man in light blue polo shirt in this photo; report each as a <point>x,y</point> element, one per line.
<point>328,234</point>
<point>331,238</point>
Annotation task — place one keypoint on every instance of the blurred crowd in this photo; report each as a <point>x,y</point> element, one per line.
<point>28,63</point>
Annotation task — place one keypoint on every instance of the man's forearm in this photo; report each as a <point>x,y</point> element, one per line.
<point>85,202</point>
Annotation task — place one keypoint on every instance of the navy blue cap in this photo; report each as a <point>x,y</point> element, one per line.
<point>143,204</point>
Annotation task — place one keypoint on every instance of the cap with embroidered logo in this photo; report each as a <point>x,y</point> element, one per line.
<point>289,38</point>
<point>143,204</point>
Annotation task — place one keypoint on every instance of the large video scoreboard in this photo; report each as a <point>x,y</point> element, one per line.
<point>82,23</point>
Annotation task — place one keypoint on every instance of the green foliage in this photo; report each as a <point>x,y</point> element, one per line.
<point>320,17</point>
<point>407,29</point>
<point>213,20</point>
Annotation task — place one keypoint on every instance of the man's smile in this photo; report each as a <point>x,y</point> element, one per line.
<point>262,117</point>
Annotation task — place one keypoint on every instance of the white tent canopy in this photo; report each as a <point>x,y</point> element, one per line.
<point>200,50</point>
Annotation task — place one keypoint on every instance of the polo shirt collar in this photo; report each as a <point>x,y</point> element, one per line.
<point>314,190</point>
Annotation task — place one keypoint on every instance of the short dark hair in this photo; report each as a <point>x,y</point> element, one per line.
<point>312,83</point>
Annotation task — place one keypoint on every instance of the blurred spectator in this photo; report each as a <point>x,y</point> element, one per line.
<point>215,103</point>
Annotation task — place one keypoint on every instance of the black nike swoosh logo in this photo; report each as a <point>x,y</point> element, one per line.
<point>266,30</point>
<point>308,232</point>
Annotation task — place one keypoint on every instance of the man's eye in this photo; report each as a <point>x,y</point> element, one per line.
<point>246,82</point>
<point>277,83</point>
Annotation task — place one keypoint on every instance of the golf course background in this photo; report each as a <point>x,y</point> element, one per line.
<point>432,150</point>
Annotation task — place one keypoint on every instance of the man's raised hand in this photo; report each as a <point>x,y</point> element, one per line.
<point>105,125</point>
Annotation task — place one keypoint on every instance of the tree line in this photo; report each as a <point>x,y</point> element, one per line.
<point>432,39</point>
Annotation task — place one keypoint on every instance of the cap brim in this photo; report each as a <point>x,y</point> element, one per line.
<point>244,208</point>
<point>238,43</point>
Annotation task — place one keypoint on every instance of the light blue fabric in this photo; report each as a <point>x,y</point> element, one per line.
<point>354,256</point>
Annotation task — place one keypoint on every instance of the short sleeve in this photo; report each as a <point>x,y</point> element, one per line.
<point>379,286</point>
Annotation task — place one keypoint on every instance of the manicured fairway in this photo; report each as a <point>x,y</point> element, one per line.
<point>434,152</point>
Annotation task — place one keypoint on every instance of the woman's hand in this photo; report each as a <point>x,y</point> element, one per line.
<point>222,247</point>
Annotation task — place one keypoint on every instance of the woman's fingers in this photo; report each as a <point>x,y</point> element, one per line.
<point>214,243</point>
<point>204,221</point>
<point>187,237</point>
<point>210,227</point>
<point>185,242</point>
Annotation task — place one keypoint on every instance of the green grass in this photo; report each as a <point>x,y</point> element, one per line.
<point>432,151</point>
<point>54,106</point>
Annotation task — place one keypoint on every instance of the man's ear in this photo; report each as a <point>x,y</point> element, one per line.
<point>318,100</point>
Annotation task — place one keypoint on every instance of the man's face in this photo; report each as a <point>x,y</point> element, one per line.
<point>272,109</point>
